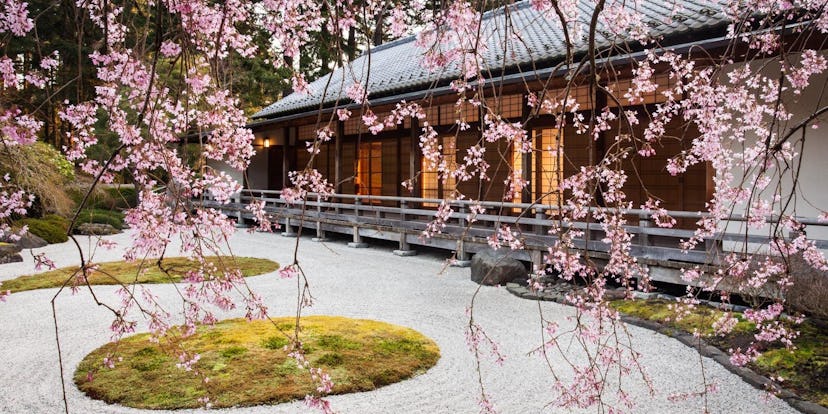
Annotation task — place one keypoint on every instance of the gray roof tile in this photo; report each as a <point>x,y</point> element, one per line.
<point>395,66</point>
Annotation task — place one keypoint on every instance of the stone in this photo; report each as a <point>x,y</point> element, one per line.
<point>96,229</point>
<point>30,241</point>
<point>405,253</point>
<point>10,253</point>
<point>494,267</point>
<point>460,263</point>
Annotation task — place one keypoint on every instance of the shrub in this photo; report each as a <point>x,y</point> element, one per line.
<point>92,215</point>
<point>113,198</point>
<point>122,198</point>
<point>57,220</point>
<point>41,170</point>
<point>52,230</point>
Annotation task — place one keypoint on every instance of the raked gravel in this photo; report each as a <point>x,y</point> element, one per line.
<point>358,283</point>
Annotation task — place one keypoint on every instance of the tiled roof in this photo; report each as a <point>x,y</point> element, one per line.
<point>395,66</point>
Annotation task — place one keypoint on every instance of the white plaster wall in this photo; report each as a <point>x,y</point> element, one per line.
<point>812,187</point>
<point>232,172</point>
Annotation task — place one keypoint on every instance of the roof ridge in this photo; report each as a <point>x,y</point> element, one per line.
<point>389,45</point>
<point>518,5</point>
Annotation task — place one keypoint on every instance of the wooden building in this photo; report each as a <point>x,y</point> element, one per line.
<point>370,168</point>
<point>363,163</point>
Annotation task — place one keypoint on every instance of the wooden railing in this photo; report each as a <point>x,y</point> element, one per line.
<point>405,218</point>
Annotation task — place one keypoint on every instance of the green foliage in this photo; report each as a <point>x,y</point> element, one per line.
<point>92,215</point>
<point>111,198</point>
<point>52,230</point>
<point>121,198</point>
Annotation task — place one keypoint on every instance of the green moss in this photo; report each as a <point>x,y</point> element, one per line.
<point>233,351</point>
<point>148,359</point>
<point>400,345</point>
<point>805,368</point>
<point>331,360</point>
<point>49,230</point>
<point>254,371</point>
<point>111,273</point>
<point>336,343</point>
<point>700,320</point>
<point>275,342</point>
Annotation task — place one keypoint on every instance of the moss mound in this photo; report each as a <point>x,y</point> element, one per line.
<point>246,363</point>
<point>51,228</point>
<point>112,273</point>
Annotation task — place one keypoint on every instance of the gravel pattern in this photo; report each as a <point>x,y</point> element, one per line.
<point>360,283</point>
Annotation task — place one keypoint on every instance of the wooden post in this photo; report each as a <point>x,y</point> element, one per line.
<point>643,224</point>
<point>414,157</point>
<point>357,243</point>
<point>462,258</point>
<point>285,159</point>
<point>288,228</point>
<point>340,135</point>
<point>540,214</point>
<point>320,233</point>
<point>239,218</point>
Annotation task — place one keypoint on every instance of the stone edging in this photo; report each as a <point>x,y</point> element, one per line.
<point>748,375</point>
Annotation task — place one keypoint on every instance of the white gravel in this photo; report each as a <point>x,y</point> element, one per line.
<point>359,283</point>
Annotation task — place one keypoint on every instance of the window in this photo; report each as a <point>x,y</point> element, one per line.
<point>369,169</point>
<point>662,83</point>
<point>548,166</point>
<point>430,177</point>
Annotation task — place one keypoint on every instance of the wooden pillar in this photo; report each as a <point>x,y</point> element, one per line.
<point>286,158</point>
<point>414,156</point>
<point>340,135</point>
<point>528,168</point>
<point>399,177</point>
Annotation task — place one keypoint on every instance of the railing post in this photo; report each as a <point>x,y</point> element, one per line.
<point>462,219</point>
<point>540,215</point>
<point>357,205</point>
<point>405,248</point>
<point>357,243</point>
<point>288,228</point>
<point>320,232</point>
<point>239,218</point>
<point>462,258</point>
<point>643,224</point>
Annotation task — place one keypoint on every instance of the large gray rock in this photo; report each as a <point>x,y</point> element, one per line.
<point>494,267</point>
<point>30,241</point>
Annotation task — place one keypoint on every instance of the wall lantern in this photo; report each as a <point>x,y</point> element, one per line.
<point>266,142</point>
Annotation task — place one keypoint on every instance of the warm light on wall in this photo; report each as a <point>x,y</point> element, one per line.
<point>266,142</point>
